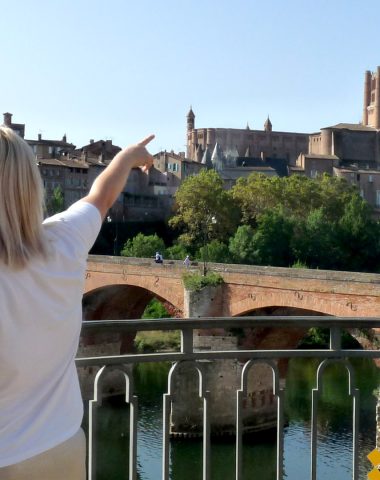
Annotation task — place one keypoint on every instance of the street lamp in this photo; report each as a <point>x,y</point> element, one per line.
<point>109,220</point>
<point>209,221</point>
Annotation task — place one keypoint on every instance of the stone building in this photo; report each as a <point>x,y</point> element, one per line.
<point>69,174</point>
<point>350,151</point>
<point>17,127</point>
<point>371,107</point>
<point>260,144</point>
<point>176,165</point>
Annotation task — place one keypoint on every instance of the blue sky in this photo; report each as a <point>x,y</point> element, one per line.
<point>120,69</point>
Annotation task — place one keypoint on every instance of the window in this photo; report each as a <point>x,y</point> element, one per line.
<point>377,198</point>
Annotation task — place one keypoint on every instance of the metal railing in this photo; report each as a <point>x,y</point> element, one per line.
<point>250,357</point>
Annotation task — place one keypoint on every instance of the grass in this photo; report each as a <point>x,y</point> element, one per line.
<point>195,281</point>
<point>156,341</point>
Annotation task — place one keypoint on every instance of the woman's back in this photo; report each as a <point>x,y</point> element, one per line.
<point>40,322</point>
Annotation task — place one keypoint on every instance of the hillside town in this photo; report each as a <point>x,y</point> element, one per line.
<point>347,150</point>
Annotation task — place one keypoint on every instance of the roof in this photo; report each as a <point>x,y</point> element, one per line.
<point>171,154</point>
<point>278,164</point>
<point>347,169</point>
<point>358,127</point>
<point>238,172</point>
<point>321,157</point>
<point>250,131</point>
<point>62,163</point>
<point>59,143</point>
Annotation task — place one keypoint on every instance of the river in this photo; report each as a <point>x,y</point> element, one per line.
<point>334,430</point>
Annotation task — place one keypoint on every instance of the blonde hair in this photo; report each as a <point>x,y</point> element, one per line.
<point>22,202</point>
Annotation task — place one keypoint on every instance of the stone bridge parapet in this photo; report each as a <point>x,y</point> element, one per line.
<point>245,288</point>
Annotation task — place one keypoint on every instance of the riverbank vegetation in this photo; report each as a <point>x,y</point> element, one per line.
<point>314,223</point>
<point>194,281</point>
<point>157,340</point>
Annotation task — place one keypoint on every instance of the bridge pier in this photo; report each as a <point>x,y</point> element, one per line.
<point>222,378</point>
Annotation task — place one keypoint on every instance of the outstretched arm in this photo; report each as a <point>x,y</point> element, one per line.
<point>110,183</point>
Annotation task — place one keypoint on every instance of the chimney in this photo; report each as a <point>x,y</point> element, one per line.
<point>39,137</point>
<point>7,119</point>
<point>91,141</point>
<point>64,138</point>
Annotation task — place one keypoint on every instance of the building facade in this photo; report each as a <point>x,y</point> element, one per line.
<point>371,107</point>
<point>234,143</point>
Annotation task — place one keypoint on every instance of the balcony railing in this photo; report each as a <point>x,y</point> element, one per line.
<point>249,357</point>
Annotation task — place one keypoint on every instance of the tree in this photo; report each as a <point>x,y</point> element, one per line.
<point>204,210</point>
<point>214,251</point>
<point>241,245</point>
<point>297,195</point>
<point>143,246</point>
<point>155,309</point>
<point>254,194</point>
<point>56,203</point>
<point>272,239</point>
<point>176,252</point>
<point>358,237</point>
<point>314,242</point>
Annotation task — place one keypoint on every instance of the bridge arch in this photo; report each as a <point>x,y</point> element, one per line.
<point>120,301</point>
<point>321,304</point>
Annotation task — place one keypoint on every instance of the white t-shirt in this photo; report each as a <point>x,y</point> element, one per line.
<point>40,323</point>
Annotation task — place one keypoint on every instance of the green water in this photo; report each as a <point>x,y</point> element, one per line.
<point>259,454</point>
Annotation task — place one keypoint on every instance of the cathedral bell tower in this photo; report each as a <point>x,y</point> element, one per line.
<point>191,144</point>
<point>190,120</point>
<point>371,110</point>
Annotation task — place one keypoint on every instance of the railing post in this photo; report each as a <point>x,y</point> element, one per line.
<point>335,338</point>
<point>187,341</point>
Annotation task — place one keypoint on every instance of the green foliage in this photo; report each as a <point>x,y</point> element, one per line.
<point>155,309</point>
<point>299,264</point>
<point>320,338</point>
<point>297,195</point>
<point>143,246</point>
<point>195,281</point>
<point>322,223</point>
<point>157,341</point>
<point>204,210</point>
<point>241,245</point>
<point>176,252</point>
<point>358,237</point>
<point>215,251</point>
<point>272,239</point>
<point>314,240</point>
<point>56,203</point>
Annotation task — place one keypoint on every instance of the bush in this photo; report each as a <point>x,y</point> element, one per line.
<point>143,246</point>
<point>155,309</point>
<point>157,340</point>
<point>195,281</point>
<point>176,252</point>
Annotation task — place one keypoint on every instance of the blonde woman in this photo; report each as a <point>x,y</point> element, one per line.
<point>42,266</point>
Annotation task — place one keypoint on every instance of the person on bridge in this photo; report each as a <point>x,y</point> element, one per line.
<point>42,271</point>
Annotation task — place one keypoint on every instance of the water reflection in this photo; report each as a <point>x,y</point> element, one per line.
<point>334,430</point>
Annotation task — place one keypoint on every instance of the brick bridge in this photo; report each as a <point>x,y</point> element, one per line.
<point>120,287</point>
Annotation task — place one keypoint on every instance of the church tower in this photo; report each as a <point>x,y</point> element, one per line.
<point>268,125</point>
<point>191,141</point>
<point>371,107</point>
<point>190,120</point>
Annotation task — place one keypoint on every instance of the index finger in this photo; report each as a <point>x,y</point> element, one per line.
<point>146,140</point>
